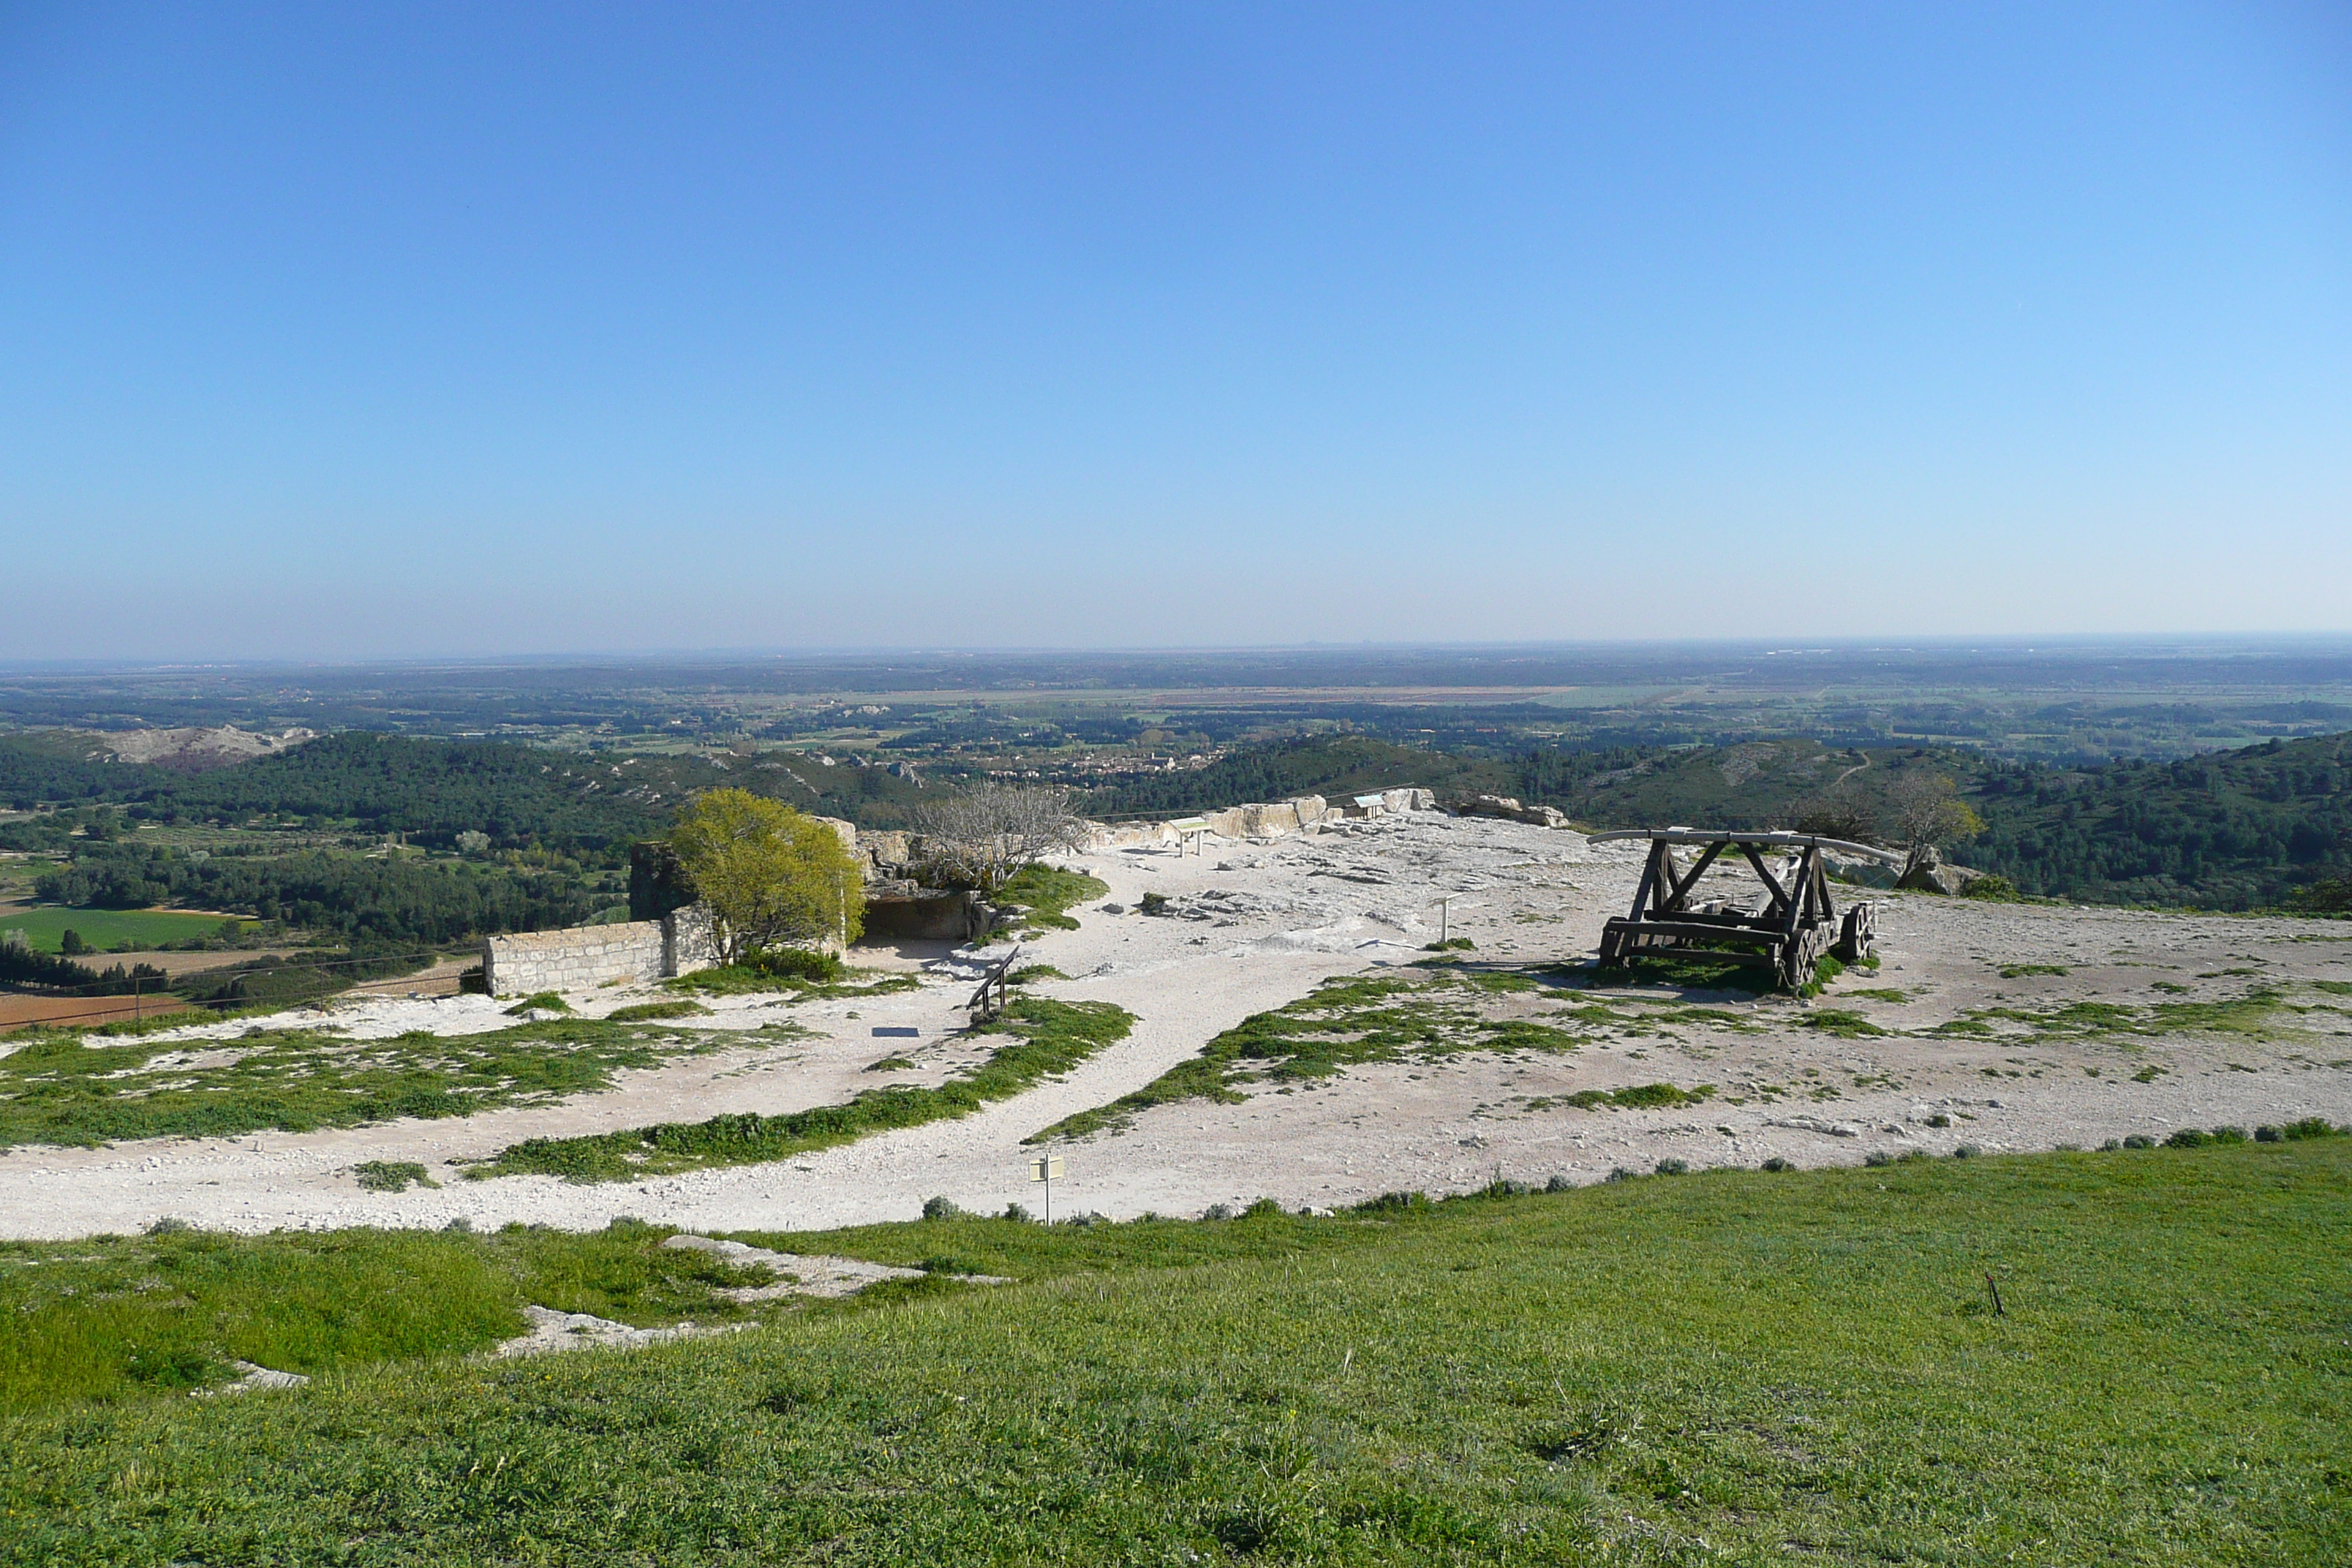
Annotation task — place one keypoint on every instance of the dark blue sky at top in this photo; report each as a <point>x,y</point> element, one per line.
<point>355,330</point>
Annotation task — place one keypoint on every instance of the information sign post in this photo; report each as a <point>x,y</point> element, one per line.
<point>1044,1168</point>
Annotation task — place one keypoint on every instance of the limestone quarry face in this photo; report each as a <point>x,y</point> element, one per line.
<point>1972,1032</point>
<point>193,749</point>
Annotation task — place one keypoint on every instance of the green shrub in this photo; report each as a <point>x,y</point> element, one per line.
<point>1503,1187</point>
<point>1152,904</point>
<point>1451,944</point>
<point>647,1012</point>
<point>1966,1152</point>
<point>391,1176</point>
<point>797,963</point>
<point>2229,1135</point>
<point>2309,1127</point>
<point>2267,1134</point>
<point>2139,1141</point>
<point>1394,1202</point>
<point>1265,1208</point>
<point>2187,1138</point>
<point>1560,1183</point>
<point>174,1369</point>
<point>539,1002</point>
<point>1777,1163</point>
<point>1993,890</point>
<point>1640,1097</point>
<point>1046,892</point>
<point>941,1208</point>
<point>1673,1167</point>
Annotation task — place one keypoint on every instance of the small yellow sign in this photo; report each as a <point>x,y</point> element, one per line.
<point>1046,1168</point>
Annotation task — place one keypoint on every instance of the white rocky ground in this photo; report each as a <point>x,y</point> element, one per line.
<point>1269,920</point>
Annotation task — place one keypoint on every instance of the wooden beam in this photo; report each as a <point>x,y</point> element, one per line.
<point>1780,895</point>
<point>1649,880</point>
<point>1683,885</point>
<point>1692,931</point>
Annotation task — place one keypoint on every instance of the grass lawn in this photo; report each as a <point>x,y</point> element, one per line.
<point>1047,892</point>
<point>61,1089</point>
<point>45,926</point>
<point>1733,1367</point>
<point>130,1318</point>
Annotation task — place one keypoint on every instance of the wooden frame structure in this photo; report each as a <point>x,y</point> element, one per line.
<point>995,991</point>
<point>1798,925</point>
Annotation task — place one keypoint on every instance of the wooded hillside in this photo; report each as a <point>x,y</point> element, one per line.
<point>2230,830</point>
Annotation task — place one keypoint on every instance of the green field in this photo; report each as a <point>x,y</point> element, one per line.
<point>1735,1367</point>
<point>45,926</point>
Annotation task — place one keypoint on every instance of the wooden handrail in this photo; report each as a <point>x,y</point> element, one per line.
<point>980,1007</point>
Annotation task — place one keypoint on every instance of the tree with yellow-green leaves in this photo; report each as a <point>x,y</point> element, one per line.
<point>772,877</point>
<point>1929,815</point>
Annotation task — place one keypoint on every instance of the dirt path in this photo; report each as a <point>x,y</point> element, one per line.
<point>1259,924</point>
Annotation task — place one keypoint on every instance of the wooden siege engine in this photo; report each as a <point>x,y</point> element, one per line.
<point>1797,924</point>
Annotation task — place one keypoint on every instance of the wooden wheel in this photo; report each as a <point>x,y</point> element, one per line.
<point>1860,935</point>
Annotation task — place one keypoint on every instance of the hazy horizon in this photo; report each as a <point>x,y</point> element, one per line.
<point>2140,643</point>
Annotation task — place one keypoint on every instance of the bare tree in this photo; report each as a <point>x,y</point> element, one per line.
<point>1841,813</point>
<point>1928,813</point>
<point>979,836</point>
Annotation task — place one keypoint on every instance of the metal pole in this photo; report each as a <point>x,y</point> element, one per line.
<point>1049,1189</point>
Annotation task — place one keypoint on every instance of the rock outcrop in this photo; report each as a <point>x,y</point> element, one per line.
<point>1507,808</point>
<point>1936,876</point>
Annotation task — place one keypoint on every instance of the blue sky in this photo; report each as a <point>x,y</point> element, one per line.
<point>344,332</point>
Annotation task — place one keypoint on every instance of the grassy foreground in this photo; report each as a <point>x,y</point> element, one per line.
<point>123,1318</point>
<point>1735,1367</point>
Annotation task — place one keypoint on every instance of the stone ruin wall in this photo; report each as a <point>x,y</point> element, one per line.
<point>1259,821</point>
<point>581,958</point>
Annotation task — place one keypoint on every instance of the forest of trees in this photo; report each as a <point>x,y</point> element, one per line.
<point>359,898</point>
<point>1278,770</point>
<point>588,805</point>
<point>2229,830</point>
